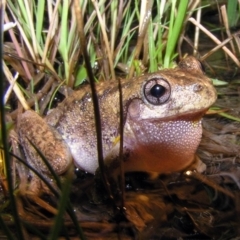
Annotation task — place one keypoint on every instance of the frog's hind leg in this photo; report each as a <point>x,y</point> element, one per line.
<point>30,206</point>
<point>30,201</point>
<point>34,133</point>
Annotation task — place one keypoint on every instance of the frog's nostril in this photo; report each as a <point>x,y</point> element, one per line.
<point>197,87</point>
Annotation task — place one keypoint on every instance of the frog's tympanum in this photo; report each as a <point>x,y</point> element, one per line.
<point>162,123</point>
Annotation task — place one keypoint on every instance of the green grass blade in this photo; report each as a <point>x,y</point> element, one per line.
<point>224,114</point>
<point>75,221</point>
<point>229,116</point>
<point>24,17</point>
<point>232,12</point>
<point>123,53</point>
<point>159,42</point>
<point>174,31</point>
<point>63,49</point>
<point>39,19</point>
<point>59,218</point>
<point>113,23</point>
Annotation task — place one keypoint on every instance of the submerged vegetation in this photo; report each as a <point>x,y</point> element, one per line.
<point>50,47</point>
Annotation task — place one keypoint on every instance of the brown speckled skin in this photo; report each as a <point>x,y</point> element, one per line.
<point>157,138</point>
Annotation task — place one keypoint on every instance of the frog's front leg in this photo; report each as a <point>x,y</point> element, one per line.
<point>32,127</point>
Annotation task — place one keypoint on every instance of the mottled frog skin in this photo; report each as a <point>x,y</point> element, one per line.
<point>162,123</point>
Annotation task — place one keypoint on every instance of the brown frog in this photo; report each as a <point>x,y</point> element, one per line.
<point>162,123</point>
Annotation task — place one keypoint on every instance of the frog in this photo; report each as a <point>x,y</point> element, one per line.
<point>162,114</point>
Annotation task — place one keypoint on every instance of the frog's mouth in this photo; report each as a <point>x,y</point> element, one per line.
<point>187,116</point>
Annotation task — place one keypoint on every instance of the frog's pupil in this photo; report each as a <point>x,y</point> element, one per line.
<point>157,90</point>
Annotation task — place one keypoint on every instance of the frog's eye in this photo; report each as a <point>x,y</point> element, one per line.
<point>157,91</point>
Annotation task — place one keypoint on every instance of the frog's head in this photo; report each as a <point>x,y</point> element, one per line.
<point>165,118</point>
<point>173,93</point>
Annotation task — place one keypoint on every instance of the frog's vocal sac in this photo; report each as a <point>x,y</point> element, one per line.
<point>162,123</point>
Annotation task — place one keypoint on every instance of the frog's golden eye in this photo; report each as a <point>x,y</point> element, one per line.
<point>157,91</point>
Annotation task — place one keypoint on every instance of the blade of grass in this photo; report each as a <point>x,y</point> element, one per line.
<point>152,49</point>
<point>105,38</point>
<point>63,202</point>
<point>29,20</point>
<point>232,13</point>
<point>51,31</point>
<point>216,40</point>
<point>22,14</point>
<point>39,20</point>
<point>63,49</point>
<point>16,89</point>
<point>226,25</point>
<point>18,226</point>
<point>24,33</point>
<point>113,23</point>
<point>197,32</point>
<point>226,115</point>
<point>122,54</point>
<point>97,115</point>
<point>141,36</point>
<point>18,49</point>
<point>174,30</point>
<point>170,38</point>
<point>159,42</point>
<point>122,50</point>
<point>121,127</point>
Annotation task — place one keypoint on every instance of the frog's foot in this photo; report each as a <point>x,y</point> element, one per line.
<point>30,206</point>
<point>197,165</point>
<point>29,196</point>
